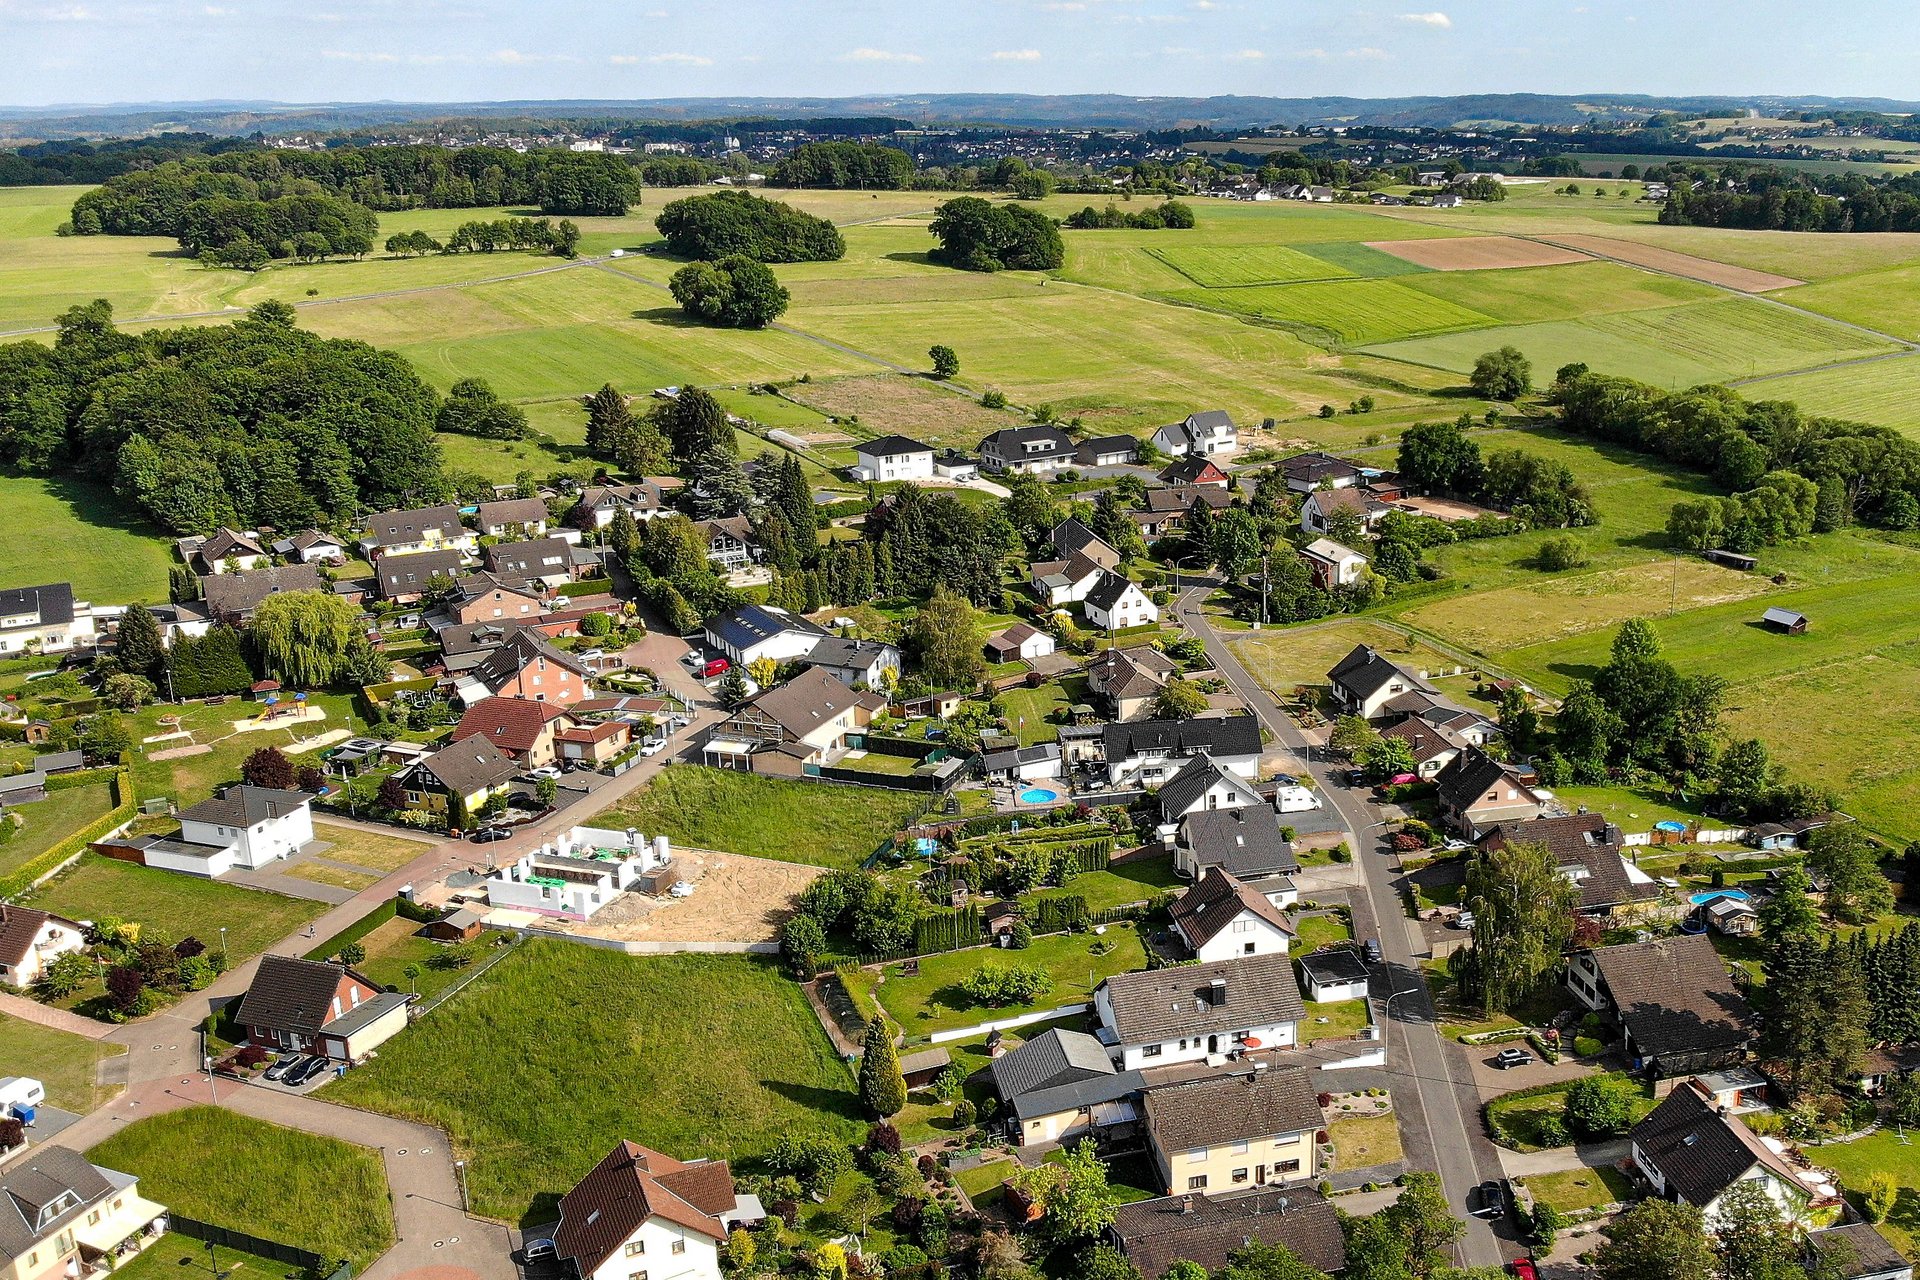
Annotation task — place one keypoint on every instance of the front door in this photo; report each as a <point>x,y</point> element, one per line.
<point>1213,1044</point>
<point>1260,1174</point>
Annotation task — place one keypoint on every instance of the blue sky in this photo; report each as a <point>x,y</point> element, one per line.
<point>448,50</point>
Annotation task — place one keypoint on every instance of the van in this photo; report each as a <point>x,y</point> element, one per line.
<point>715,667</point>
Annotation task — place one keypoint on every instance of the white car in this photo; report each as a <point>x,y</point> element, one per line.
<point>652,747</point>
<point>681,889</point>
<point>544,771</point>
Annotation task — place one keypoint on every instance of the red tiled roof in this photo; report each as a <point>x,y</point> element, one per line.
<point>511,724</point>
<point>631,1185</point>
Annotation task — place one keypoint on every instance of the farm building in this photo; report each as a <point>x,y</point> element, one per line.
<point>1785,621</point>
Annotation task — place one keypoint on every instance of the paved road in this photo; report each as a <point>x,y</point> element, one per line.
<point>1437,1100</point>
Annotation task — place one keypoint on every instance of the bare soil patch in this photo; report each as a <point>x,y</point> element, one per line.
<point>734,899</point>
<point>1446,508</point>
<point>895,404</point>
<point>1686,265</point>
<point>1477,253</point>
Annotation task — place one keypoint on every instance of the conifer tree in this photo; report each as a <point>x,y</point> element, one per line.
<point>883,1090</point>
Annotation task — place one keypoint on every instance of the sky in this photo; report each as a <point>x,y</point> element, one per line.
<point>103,51</point>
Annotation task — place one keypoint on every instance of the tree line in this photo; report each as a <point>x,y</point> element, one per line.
<point>1773,199</point>
<point>859,166</point>
<point>248,234</point>
<point>726,223</point>
<point>1168,214</point>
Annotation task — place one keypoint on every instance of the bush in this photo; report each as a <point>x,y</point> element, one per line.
<point>1561,553</point>
<point>1600,1106</point>
<point>999,985</point>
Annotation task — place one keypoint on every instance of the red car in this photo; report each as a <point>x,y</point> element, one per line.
<point>1522,1268</point>
<point>715,667</point>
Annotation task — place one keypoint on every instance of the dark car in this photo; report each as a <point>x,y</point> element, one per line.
<point>487,835</point>
<point>307,1070</point>
<point>279,1068</point>
<point>1490,1200</point>
<point>1374,954</point>
<point>1511,1057</point>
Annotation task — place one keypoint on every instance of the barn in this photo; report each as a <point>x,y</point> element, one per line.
<point>1785,621</point>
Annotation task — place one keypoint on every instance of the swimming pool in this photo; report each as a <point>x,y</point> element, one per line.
<point>1739,895</point>
<point>1039,795</point>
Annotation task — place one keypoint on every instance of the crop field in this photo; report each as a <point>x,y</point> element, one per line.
<point>1478,253</point>
<point>1560,293</point>
<point>1885,300</point>
<point>1222,267</point>
<point>1353,312</point>
<point>1676,263</point>
<point>1886,393</point>
<point>891,403</point>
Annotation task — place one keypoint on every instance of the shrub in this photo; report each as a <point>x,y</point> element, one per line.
<point>999,985</point>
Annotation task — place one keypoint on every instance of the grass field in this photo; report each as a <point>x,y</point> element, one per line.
<point>826,824</point>
<point>1559,293</point>
<point>1573,1191</point>
<point>1279,660</point>
<point>67,1064</point>
<point>1351,312</point>
<point>63,530</point>
<point>931,1001</point>
<point>1883,393</point>
<point>367,848</point>
<point>1339,1020</point>
<point>1881,1152</point>
<point>1886,300</point>
<point>49,821</point>
<point>1360,1142</point>
<point>561,1050</point>
<point>191,779</point>
<point>280,1184</point>
<point>1223,267</point>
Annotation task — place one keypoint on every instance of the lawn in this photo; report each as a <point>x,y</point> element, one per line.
<point>1321,931</point>
<point>191,779</point>
<point>1281,659</point>
<point>545,1061</point>
<point>926,1120</point>
<point>1345,312</point>
<point>1342,1019</point>
<point>1880,393</point>
<point>1559,293</point>
<point>65,1063</point>
<point>1577,1191</point>
<point>392,946</point>
<point>1886,300</point>
<point>1361,1142</point>
<point>1881,1152</point>
<point>279,1184</point>
<point>1122,883</point>
<point>65,530</point>
<point>49,821</point>
<point>821,823</point>
<point>369,849</point>
<point>1030,712</point>
<point>1515,1120</point>
<point>176,1257</point>
<point>931,1000</point>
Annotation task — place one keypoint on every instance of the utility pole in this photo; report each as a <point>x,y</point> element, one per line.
<point>1263,588</point>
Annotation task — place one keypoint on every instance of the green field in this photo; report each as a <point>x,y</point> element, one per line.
<point>1532,294</point>
<point>279,1184</point>
<point>1885,392</point>
<point>826,824</point>
<point>1221,267</point>
<point>67,1064</point>
<point>49,821</point>
<point>64,530</point>
<point>1353,312</point>
<point>1281,659</point>
<point>931,1001</point>
<point>561,1050</point>
<point>1885,300</point>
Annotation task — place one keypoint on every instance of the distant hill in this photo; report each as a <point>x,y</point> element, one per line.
<point>1067,110</point>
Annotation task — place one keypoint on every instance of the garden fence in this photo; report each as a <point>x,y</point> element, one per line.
<point>260,1247</point>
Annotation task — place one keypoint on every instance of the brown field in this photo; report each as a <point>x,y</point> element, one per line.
<point>892,403</point>
<point>1478,253</point>
<point>1678,264</point>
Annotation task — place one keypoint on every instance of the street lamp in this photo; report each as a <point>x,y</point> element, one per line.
<point>223,942</point>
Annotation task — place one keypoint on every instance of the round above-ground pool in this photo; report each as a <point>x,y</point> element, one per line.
<point>1039,795</point>
<point>1739,895</point>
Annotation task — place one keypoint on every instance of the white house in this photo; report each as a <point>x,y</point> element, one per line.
<point>1322,505</point>
<point>1020,642</point>
<point>1332,564</point>
<point>1202,786</point>
<point>1145,753</point>
<point>1027,449</point>
<point>573,880</point>
<point>640,1215</point>
<point>399,533</point>
<point>1221,917</point>
<point>1364,681</point>
<point>755,631</point>
<point>243,828</point>
<point>521,517</point>
<point>891,458</point>
<point>866,662</point>
<point>1064,582</point>
<point>1209,431</point>
<point>44,619</point>
<point>1693,1154</point>
<point>1116,603</point>
<point>31,940</point>
<point>1037,763</point>
<point>1159,1017</point>
<point>311,546</point>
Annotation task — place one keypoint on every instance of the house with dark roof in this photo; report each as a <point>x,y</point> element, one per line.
<point>864,662</point>
<point>240,828</point>
<point>522,729</point>
<point>1434,746</point>
<point>639,1213</point>
<point>1677,1009</point>
<point>1335,974</point>
<point>1145,753</point>
<point>490,599</point>
<point>1476,793</point>
<point>404,577</point>
<point>1064,582</point>
<point>891,458</point>
<point>1324,506</point>
<point>232,597</point>
<point>1107,451</point>
<point>1020,642</point>
<point>31,940</point>
<point>399,533</point>
<point>754,631</point>
<point>1206,1228</point>
<point>730,543</point>
<point>1061,1085</point>
<point>1202,786</point>
<point>1224,1133</point>
<point>61,1215</point>
<point>1856,1251</point>
<point>515,517</point>
<point>1221,917</point>
<point>1308,472</point>
<point>458,779</point>
<point>1591,852</point>
<point>1244,842</point>
<point>312,546</point>
<point>1365,680</point>
<point>1116,603</point>
<point>600,503</point>
<point>1190,1013</point>
<point>310,1006</point>
<point>784,729</point>
<point>1194,469</point>
<point>1693,1153</point>
<point>1030,450</point>
<point>548,561</point>
<point>1072,538</point>
<point>1209,431</point>
<point>226,551</point>
<point>1036,763</point>
<point>1164,511</point>
<point>1126,681</point>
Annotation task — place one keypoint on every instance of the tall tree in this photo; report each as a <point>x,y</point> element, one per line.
<point>1656,1240</point>
<point>1857,890</point>
<point>883,1091</point>
<point>607,419</point>
<point>1523,910</point>
<point>138,645</point>
<point>945,637</point>
<point>303,637</point>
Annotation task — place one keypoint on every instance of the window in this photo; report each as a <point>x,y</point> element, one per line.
<point>93,1219</point>
<point>1240,1148</point>
<point>679,1246</point>
<point>1288,1166</point>
<point>1197,1183</point>
<point>1239,1175</point>
<point>1196,1155</point>
<point>638,1275</point>
<point>636,1247</point>
<point>1151,1050</point>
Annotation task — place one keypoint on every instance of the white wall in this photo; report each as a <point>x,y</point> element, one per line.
<point>699,1259</point>
<point>912,466</point>
<point>1232,942</point>
<point>219,861</point>
<point>1277,1035</point>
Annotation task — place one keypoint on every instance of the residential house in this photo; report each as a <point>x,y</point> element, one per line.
<point>1063,582</point>
<point>1245,842</point>
<point>1194,470</point>
<point>1020,642</point>
<point>399,533</point>
<point>520,729</point>
<point>1037,763</point>
<point>1164,511</point>
<point>526,665</point>
<point>513,518</point>
<point>1476,793</point>
<point>310,1006</point>
<point>1856,1251</point>
<point>1127,681</point>
<point>1233,1132</point>
<point>492,600</point>
<point>1333,565</point>
<point>458,779</point>
<point>241,828</point>
<point>754,631</point>
<point>1677,1010</point>
<point>1591,852</point>
<point>1308,472</point>
<point>730,544</point>
<point>1107,451</point>
<point>62,1216</point>
<point>464,646</point>
<point>1205,1229</point>
<point>1201,786</point>
<point>232,597</point>
<point>1323,507</point>
<point>31,940</point>
<point>599,504</point>
<point>1434,746</point>
<point>1029,450</point>
<point>1791,833</point>
<point>311,546</point>
<point>789,727</point>
<point>640,1215</point>
<point>872,663</point>
<point>1117,603</point>
<point>592,745</point>
<point>405,578</point>
<point>1071,538</point>
<point>891,458</point>
<point>1145,753</point>
<point>226,551</point>
<point>547,561</point>
<point>1448,200</point>
<point>1210,431</point>
<point>1061,1085</point>
<point>1220,917</point>
<point>1333,975</point>
<point>1693,1154</point>
<point>1189,1013</point>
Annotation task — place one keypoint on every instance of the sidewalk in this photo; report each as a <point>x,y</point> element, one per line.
<point>59,1019</point>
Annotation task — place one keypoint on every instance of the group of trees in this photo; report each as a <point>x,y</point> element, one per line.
<point>854,907</point>
<point>472,409</point>
<point>1540,493</point>
<point>736,292</point>
<point>1523,917</point>
<point>562,238</point>
<point>256,422</point>
<point>248,234</point>
<point>1660,1239</point>
<point>711,227</point>
<point>1169,214</point>
<point>1637,711</point>
<point>1783,507</point>
<point>1859,472</point>
<point>976,235</point>
<point>922,541</point>
<point>861,166</point>
<point>313,640</point>
<point>1769,199</point>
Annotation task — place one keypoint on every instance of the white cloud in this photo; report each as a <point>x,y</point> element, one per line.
<point>681,60</point>
<point>1208,4</point>
<point>878,55</point>
<point>1368,53</point>
<point>515,58</point>
<point>1016,55</point>
<point>624,59</point>
<point>1434,19</point>
<point>1313,55</point>
<point>215,11</point>
<point>65,13</point>
<point>1246,55</point>
<point>1065,6</point>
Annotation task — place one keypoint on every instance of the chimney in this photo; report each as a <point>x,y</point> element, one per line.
<point>1186,1205</point>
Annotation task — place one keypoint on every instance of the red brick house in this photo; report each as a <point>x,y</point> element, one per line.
<point>312,1007</point>
<point>526,666</point>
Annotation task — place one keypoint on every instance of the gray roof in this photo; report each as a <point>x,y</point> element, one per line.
<point>1336,964</point>
<point>52,604</point>
<point>844,654</point>
<point>512,511</point>
<point>1077,1095</point>
<point>1785,617</point>
<point>1108,590</point>
<point>1245,842</point>
<point>1205,1229</point>
<point>1873,1253</point>
<point>1314,468</point>
<point>239,594</point>
<point>1586,846</point>
<point>1016,440</point>
<point>1701,1152</point>
<point>749,624</point>
<point>243,806</point>
<point>367,1012</point>
<point>469,765</point>
<point>1228,1108</point>
<point>891,447</point>
<point>291,994</point>
<point>1049,1060</point>
<point>1674,996</point>
<point>811,698</point>
<point>412,573</point>
<point>1220,736</point>
<point>38,1180</point>
<point>534,558</point>
<point>1037,754</point>
<point>1155,1004</point>
<point>1196,776</point>
<point>392,528</point>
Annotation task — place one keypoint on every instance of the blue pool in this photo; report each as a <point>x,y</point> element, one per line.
<point>1039,795</point>
<point>1739,895</point>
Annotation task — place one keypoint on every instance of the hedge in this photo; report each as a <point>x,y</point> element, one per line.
<point>125,806</point>
<point>354,932</point>
<point>586,587</point>
<point>82,778</point>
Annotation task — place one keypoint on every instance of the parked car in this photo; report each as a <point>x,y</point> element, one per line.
<point>1511,1057</point>
<point>279,1068</point>
<point>544,771</point>
<point>653,746</point>
<point>693,658</point>
<point>1491,1200</point>
<point>1374,954</point>
<point>1522,1269</point>
<point>538,1249</point>
<point>310,1067</point>
<point>1461,920</point>
<point>715,667</point>
<point>487,835</point>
